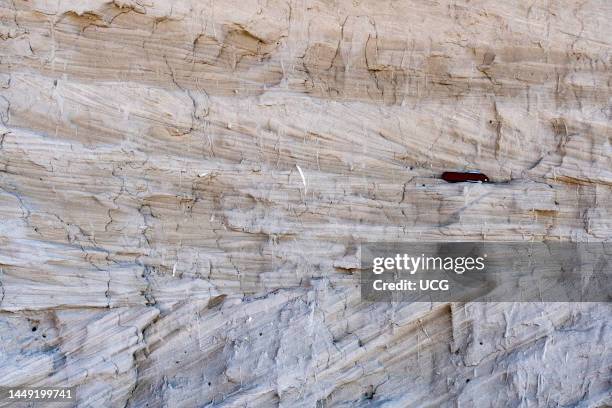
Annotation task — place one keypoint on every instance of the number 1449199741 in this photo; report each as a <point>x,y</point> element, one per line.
<point>34,394</point>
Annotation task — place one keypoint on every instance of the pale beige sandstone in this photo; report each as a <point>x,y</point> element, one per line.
<point>157,232</point>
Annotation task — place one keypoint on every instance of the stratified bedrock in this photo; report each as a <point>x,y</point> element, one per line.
<point>185,186</point>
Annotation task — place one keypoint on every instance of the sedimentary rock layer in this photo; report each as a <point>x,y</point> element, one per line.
<point>184,187</point>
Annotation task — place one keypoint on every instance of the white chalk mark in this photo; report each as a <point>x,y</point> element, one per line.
<point>303,178</point>
<point>174,270</point>
<point>208,174</point>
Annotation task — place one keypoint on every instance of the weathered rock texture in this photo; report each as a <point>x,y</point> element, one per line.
<point>184,186</point>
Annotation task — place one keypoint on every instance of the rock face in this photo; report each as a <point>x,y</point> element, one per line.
<point>184,186</point>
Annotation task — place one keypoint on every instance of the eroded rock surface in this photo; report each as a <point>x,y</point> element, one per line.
<point>184,186</point>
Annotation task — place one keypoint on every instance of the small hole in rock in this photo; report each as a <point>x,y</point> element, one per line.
<point>261,334</point>
<point>209,383</point>
<point>481,343</point>
<point>467,381</point>
<point>34,328</point>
